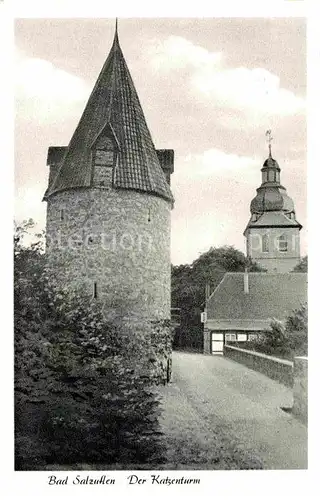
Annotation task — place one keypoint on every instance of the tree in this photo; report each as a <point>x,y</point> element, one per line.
<point>302,267</point>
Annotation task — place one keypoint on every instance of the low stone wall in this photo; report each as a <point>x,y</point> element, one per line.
<point>300,388</point>
<point>275,368</point>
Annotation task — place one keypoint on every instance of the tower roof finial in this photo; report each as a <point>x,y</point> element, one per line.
<point>116,39</point>
<point>269,139</point>
<point>116,30</point>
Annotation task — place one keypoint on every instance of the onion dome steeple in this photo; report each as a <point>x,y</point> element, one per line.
<point>272,233</point>
<point>114,109</point>
<point>271,195</point>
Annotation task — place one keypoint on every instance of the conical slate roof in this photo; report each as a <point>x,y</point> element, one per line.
<point>113,105</point>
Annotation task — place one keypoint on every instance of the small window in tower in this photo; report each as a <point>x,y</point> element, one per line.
<point>265,243</point>
<point>282,243</point>
<point>104,155</point>
<point>149,215</point>
<point>95,290</point>
<point>62,214</point>
<point>264,177</point>
<point>104,158</point>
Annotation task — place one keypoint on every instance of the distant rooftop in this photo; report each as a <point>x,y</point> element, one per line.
<point>270,296</point>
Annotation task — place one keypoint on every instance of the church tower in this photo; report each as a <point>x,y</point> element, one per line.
<point>272,234</point>
<point>109,203</point>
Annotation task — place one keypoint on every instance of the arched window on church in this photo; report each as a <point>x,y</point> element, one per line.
<point>282,243</point>
<point>265,243</point>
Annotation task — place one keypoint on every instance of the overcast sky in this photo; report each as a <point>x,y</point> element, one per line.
<point>209,88</point>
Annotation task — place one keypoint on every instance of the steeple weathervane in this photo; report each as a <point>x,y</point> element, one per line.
<point>269,139</point>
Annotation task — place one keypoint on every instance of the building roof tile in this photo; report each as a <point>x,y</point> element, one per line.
<point>113,103</point>
<point>273,219</point>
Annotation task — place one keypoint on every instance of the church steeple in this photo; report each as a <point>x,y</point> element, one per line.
<point>272,232</point>
<point>270,170</point>
<point>113,113</point>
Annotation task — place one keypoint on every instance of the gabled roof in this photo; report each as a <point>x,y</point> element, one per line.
<point>113,105</point>
<point>270,296</point>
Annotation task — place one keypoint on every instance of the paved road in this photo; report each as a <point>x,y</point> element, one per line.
<point>212,394</point>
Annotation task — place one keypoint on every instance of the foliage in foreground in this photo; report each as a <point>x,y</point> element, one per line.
<point>77,394</point>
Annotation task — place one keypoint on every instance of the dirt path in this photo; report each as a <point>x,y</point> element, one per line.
<point>219,414</point>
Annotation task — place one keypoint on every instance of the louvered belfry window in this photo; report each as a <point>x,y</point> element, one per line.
<point>103,159</point>
<point>265,243</point>
<point>283,243</point>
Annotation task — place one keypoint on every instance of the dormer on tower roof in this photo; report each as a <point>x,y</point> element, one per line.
<point>113,107</point>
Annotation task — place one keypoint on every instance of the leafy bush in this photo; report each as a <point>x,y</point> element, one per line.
<point>78,396</point>
<point>302,267</point>
<point>287,339</point>
<point>298,320</point>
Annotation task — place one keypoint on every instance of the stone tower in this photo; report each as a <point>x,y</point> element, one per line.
<point>109,203</point>
<point>272,234</point>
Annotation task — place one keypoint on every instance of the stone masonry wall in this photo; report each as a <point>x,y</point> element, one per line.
<point>115,243</point>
